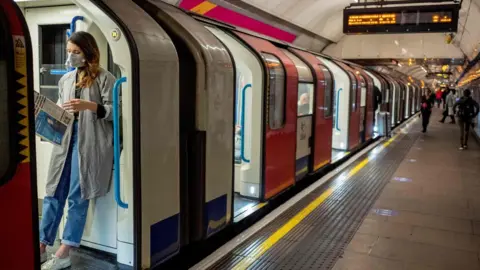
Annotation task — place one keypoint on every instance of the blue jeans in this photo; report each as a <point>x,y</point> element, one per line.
<point>68,187</point>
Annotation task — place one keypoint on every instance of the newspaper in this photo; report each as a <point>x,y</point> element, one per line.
<point>51,121</point>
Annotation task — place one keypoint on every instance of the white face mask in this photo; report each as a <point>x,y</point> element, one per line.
<point>75,60</point>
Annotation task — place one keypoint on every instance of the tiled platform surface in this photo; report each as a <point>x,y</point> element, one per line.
<point>435,201</point>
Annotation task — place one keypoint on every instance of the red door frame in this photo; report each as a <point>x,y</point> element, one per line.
<point>18,194</point>
<point>354,125</point>
<point>279,144</point>
<point>322,133</point>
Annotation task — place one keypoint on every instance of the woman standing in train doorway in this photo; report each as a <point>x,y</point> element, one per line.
<point>81,168</point>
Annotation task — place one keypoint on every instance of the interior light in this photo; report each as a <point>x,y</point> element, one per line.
<point>252,190</point>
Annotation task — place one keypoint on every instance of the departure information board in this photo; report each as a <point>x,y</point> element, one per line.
<point>411,19</point>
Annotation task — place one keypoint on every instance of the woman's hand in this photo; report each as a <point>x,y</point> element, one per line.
<point>78,105</point>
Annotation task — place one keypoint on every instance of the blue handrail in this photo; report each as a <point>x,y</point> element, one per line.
<point>73,25</point>
<point>336,109</point>
<point>116,142</point>
<point>242,124</point>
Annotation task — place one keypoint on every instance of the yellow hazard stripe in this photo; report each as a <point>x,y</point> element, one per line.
<point>203,7</point>
<point>287,227</point>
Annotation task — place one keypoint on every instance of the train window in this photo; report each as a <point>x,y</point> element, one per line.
<point>276,91</point>
<point>328,100</point>
<point>353,90</point>
<point>305,99</point>
<point>52,42</point>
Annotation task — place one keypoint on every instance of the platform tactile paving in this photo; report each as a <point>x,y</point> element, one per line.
<point>320,239</point>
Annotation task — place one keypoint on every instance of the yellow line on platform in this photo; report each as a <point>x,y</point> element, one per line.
<point>287,227</point>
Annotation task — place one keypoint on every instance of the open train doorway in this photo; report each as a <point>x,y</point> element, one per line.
<point>120,224</point>
<point>248,125</point>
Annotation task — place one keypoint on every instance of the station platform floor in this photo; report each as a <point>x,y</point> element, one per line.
<point>410,202</point>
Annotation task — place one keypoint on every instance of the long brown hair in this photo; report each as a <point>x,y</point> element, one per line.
<point>86,42</point>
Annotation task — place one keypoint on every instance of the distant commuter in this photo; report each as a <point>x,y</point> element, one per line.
<point>426,110</point>
<point>438,97</point>
<point>377,100</point>
<point>81,168</point>
<point>449,103</point>
<point>445,93</point>
<point>467,110</point>
<point>431,97</point>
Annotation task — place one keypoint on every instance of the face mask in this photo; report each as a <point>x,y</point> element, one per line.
<point>75,60</point>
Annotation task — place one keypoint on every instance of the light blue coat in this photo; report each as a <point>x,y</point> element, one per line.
<point>95,138</point>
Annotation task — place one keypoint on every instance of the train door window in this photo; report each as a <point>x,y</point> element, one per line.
<point>276,91</point>
<point>353,90</point>
<point>305,99</point>
<point>305,95</point>
<point>363,94</point>
<point>52,57</point>
<point>328,85</point>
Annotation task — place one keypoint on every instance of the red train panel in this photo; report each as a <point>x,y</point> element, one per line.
<point>322,133</point>
<point>279,144</point>
<point>18,193</point>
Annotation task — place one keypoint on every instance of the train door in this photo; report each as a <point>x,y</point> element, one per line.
<point>367,102</point>
<point>206,139</point>
<point>341,109</point>
<point>414,99</point>
<point>305,107</point>
<point>363,108</point>
<point>323,110</point>
<point>248,125</point>
<point>395,91</point>
<point>403,101</point>
<point>130,223</point>
<point>280,115</point>
<point>408,100</point>
<point>18,203</point>
<point>355,123</point>
<point>382,102</point>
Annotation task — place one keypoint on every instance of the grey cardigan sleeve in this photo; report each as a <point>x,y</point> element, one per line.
<point>106,92</point>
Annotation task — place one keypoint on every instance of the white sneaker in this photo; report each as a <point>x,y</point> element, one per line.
<point>56,263</point>
<point>43,257</point>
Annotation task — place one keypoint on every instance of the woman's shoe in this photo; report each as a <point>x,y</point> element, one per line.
<point>56,263</point>
<point>43,257</point>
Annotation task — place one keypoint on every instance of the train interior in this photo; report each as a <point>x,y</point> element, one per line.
<point>49,27</point>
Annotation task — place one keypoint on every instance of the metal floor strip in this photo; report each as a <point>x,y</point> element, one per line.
<point>320,238</point>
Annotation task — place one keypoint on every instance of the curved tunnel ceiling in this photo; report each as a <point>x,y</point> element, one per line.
<point>325,18</point>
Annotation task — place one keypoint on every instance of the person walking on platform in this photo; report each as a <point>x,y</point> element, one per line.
<point>81,168</point>
<point>426,110</point>
<point>431,97</point>
<point>467,110</point>
<point>445,93</point>
<point>449,103</point>
<point>377,100</point>
<point>438,97</point>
